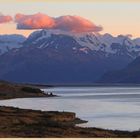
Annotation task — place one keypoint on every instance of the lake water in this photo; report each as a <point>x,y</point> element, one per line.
<point>103,107</point>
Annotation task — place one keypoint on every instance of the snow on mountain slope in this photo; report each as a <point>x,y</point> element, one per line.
<point>8,42</point>
<point>107,44</point>
<point>137,41</point>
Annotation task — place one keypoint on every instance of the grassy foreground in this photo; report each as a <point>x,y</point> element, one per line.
<point>15,122</point>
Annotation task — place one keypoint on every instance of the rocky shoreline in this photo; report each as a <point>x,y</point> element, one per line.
<point>25,123</point>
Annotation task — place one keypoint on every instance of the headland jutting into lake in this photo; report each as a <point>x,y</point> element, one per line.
<point>16,122</point>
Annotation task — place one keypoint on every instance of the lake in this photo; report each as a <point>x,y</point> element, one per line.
<point>103,107</point>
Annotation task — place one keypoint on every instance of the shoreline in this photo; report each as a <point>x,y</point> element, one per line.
<point>64,126</point>
<point>11,91</point>
<point>18,122</point>
<point>51,124</point>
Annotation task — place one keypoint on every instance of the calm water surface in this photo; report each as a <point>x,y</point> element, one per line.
<point>104,107</point>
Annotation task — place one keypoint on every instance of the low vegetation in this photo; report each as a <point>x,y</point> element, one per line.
<point>15,122</point>
<point>10,91</point>
<point>31,90</point>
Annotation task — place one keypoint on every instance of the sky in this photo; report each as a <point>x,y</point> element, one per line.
<point>114,16</point>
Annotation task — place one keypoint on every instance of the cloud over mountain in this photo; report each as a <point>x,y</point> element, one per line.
<point>65,23</point>
<point>37,21</point>
<point>76,24</point>
<point>5,18</point>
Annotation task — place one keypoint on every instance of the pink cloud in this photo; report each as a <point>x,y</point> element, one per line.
<point>65,23</point>
<point>5,19</point>
<point>76,24</point>
<point>37,21</point>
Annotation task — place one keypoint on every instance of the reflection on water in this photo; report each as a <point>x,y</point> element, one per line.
<point>105,107</point>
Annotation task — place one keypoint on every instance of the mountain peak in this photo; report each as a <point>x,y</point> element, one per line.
<point>95,42</point>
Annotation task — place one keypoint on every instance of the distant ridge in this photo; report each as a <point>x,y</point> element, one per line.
<point>128,75</point>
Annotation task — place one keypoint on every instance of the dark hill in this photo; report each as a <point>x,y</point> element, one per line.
<point>130,74</point>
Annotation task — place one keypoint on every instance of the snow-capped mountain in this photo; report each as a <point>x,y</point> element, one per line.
<point>54,57</point>
<point>109,45</point>
<point>8,42</point>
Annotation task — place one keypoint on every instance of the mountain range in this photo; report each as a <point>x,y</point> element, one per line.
<point>8,42</point>
<point>58,57</point>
